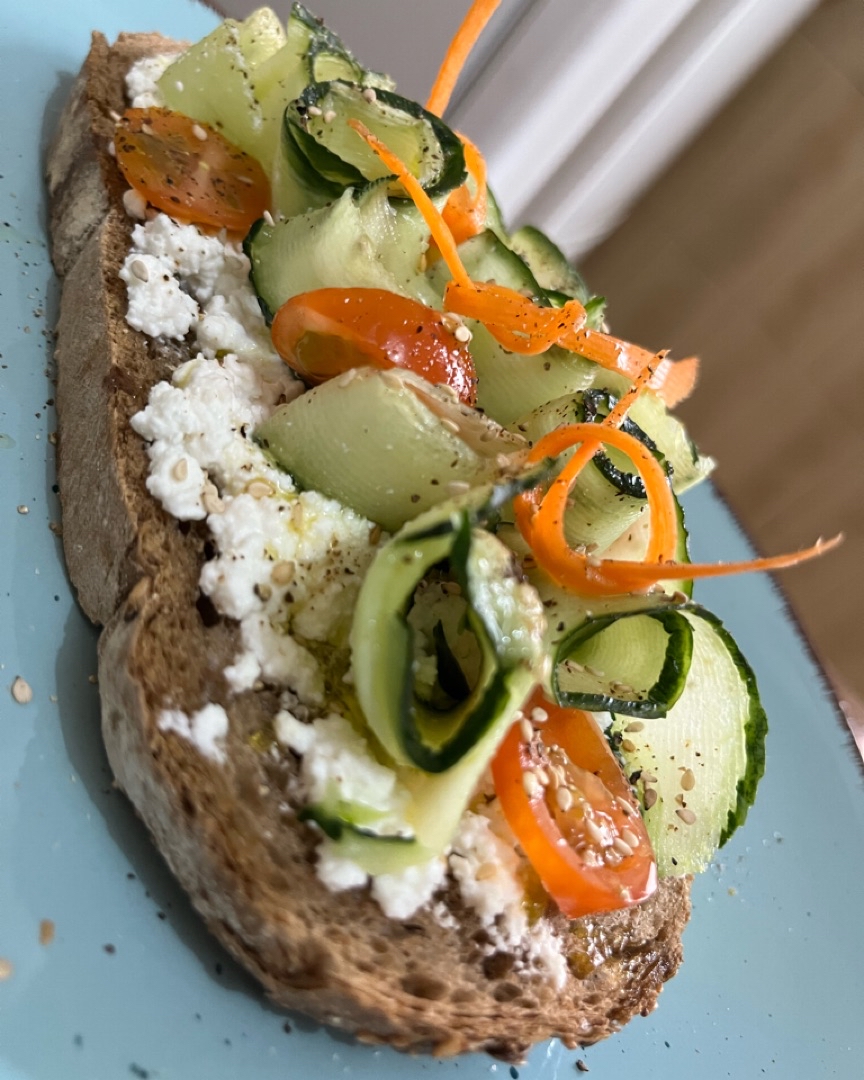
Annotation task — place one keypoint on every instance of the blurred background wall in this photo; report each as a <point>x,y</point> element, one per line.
<point>704,160</point>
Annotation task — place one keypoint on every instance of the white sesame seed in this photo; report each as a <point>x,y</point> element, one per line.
<point>533,787</point>
<point>485,871</point>
<point>630,838</point>
<point>22,509</point>
<point>329,116</point>
<point>283,572</point>
<point>134,204</point>
<point>636,725</point>
<point>688,780</point>
<point>527,729</point>
<point>370,95</point>
<point>451,425</point>
<point>259,489</point>
<point>564,798</point>
<point>686,815</point>
<point>199,132</point>
<point>463,334</point>
<point>313,110</point>
<point>22,691</point>
<point>542,775</point>
<point>621,846</point>
<point>268,217</point>
<point>450,321</point>
<point>594,831</point>
<point>112,149</point>
<point>140,270</point>
<point>539,716</point>
<point>627,808</point>
<point>180,470</point>
<point>650,798</point>
<point>648,777</point>
<point>458,487</point>
<point>628,746</point>
<point>210,499</point>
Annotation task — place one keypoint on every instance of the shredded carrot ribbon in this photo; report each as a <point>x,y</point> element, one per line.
<point>516,322</point>
<point>540,519</point>
<point>479,14</point>
<point>465,213</point>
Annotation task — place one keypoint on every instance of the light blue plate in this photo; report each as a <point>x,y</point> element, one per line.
<point>132,985</point>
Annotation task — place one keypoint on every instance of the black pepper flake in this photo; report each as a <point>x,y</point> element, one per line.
<point>110,949</point>
<point>218,968</point>
<point>581,1066</point>
<point>138,1070</point>
<point>514,1072</point>
<point>286,1027</point>
<point>78,1040</point>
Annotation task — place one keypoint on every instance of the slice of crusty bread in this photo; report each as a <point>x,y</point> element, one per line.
<point>226,831</point>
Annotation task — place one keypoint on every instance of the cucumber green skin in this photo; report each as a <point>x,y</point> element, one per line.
<point>687,847</point>
<point>655,700</point>
<point>755,731</point>
<point>307,154</point>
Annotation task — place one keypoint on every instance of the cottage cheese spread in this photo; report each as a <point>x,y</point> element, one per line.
<point>288,565</point>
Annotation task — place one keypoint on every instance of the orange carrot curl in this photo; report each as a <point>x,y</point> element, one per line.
<point>540,519</point>
<point>480,12</point>
<point>465,213</point>
<point>516,321</point>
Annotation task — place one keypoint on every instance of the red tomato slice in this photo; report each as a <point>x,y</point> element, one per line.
<point>589,845</point>
<point>323,333</point>
<point>189,170</point>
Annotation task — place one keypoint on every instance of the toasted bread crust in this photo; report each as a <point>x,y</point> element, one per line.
<point>226,830</point>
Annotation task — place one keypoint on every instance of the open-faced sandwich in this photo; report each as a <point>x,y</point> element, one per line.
<point>400,662</point>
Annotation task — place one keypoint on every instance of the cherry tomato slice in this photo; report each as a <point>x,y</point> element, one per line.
<point>324,332</point>
<point>189,170</point>
<point>583,832</point>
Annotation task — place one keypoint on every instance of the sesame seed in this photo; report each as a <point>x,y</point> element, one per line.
<point>532,786</point>
<point>463,334</point>
<point>628,746</point>
<point>451,425</point>
<point>22,691</point>
<point>593,671</point>
<point>392,379</point>
<point>313,110</point>
<point>626,807</point>
<point>347,377</point>
<point>594,831</point>
<point>22,509</point>
<point>542,775</point>
<point>112,149</point>
<point>686,815</point>
<point>283,572</point>
<point>450,321</point>
<point>636,725</point>
<point>458,487</point>
<point>268,217</point>
<point>630,838</point>
<point>539,716</point>
<point>263,591</point>
<point>621,846</point>
<point>259,489</point>
<point>329,116</point>
<point>688,780</point>
<point>210,499</point>
<point>650,798</point>
<point>527,729</point>
<point>485,871</point>
<point>180,470</point>
<point>648,777</point>
<point>199,132</point>
<point>564,798</point>
<point>369,94</point>
<point>140,270</point>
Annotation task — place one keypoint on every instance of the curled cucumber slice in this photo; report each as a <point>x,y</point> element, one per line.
<point>697,768</point>
<point>632,663</point>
